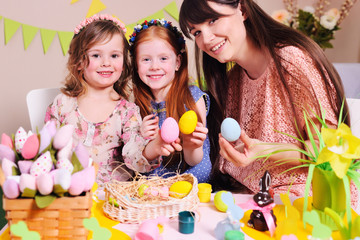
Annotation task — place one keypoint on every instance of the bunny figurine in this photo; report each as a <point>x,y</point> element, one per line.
<point>265,203</point>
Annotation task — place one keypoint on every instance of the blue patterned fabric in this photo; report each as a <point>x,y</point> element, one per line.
<point>202,170</point>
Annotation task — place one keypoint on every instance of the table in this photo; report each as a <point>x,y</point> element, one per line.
<point>207,218</point>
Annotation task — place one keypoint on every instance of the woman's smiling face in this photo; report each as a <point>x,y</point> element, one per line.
<point>221,38</point>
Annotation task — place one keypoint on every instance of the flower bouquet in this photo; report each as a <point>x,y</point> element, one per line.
<point>44,178</point>
<point>332,160</point>
<point>316,23</point>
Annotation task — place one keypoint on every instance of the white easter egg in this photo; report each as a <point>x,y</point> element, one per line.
<point>230,129</point>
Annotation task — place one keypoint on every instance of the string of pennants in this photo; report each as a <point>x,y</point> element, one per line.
<point>48,35</point>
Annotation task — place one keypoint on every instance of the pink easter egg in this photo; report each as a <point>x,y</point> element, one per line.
<point>31,147</point>
<point>77,185</point>
<point>6,140</point>
<point>89,179</point>
<point>82,154</point>
<point>9,168</point>
<point>169,130</point>
<point>7,152</point>
<point>51,127</point>
<point>45,139</point>
<point>63,136</point>
<point>42,165</point>
<point>66,164</point>
<point>45,183</point>
<point>25,166</point>
<point>11,189</point>
<point>27,181</point>
<point>20,138</point>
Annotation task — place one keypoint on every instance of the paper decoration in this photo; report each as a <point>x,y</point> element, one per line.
<point>47,36</point>
<point>99,233</point>
<point>10,28</point>
<point>172,10</point>
<point>320,231</point>
<point>20,229</point>
<point>95,7</point>
<point>29,33</point>
<point>65,39</point>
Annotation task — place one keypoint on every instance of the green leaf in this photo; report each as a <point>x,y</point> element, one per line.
<point>76,163</point>
<point>28,193</point>
<point>44,201</point>
<point>58,190</point>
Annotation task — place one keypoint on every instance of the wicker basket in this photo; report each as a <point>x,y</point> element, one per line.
<point>62,219</point>
<point>130,210</point>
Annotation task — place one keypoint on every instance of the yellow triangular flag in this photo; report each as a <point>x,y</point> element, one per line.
<point>10,28</point>
<point>95,7</point>
<point>65,39</point>
<point>29,33</point>
<point>0,17</point>
<point>172,10</point>
<point>73,1</point>
<point>47,36</point>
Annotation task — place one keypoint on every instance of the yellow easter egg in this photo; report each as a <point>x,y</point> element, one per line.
<point>219,204</point>
<point>141,189</point>
<point>187,122</point>
<point>180,189</point>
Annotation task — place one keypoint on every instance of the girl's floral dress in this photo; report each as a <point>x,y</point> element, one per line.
<point>122,127</point>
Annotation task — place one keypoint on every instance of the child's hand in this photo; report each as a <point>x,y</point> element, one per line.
<point>150,126</point>
<point>167,148</point>
<point>195,139</point>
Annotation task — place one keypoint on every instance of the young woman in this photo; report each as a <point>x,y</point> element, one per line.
<point>265,75</point>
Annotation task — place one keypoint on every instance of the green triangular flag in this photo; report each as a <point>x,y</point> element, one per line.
<point>47,36</point>
<point>10,27</point>
<point>0,17</point>
<point>65,39</point>
<point>29,33</point>
<point>172,10</point>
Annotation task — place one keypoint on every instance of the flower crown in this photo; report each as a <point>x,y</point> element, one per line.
<point>158,22</point>
<point>94,18</point>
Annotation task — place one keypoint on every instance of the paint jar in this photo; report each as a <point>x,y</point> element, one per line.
<point>204,192</point>
<point>186,222</point>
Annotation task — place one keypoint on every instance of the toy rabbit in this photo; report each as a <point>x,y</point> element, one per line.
<point>264,200</point>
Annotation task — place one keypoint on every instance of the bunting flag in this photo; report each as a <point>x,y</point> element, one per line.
<point>95,7</point>
<point>172,10</point>
<point>29,33</point>
<point>47,35</point>
<point>10,28</point>
<point>65,39</point>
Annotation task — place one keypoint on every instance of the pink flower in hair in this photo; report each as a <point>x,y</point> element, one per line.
<point>95,17</point>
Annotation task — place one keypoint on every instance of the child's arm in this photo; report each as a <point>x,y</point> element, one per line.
<point>193,143</point>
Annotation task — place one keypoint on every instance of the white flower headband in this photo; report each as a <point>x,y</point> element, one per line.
<point>93,18</point>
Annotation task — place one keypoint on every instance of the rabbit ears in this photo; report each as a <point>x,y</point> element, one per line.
<point>265,182</point>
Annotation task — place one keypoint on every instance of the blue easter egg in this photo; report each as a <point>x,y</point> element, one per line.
<point>230,129</point>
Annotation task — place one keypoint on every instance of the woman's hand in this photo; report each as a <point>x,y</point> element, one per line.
<point>244,153</point>
<point>150,126</point>
<point>195,139</point>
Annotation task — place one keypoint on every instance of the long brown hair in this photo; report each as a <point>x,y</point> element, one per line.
<point>265,33</point>
<point>95,32</point>
<point>179,94</point>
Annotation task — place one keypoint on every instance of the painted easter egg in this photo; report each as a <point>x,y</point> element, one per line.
<point>180,189</point>
<point>218,201</point>
<point>187,122</point>
<point>142,189</point>
<point>230,129</point>
<point>169,130</point>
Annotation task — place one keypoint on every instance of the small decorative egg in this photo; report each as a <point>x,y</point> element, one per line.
<point>218,201</point>
<point>187,122</point>
<point>230,129</point>
<point>169,130</point>
<point>141,189</point>
<point>180,189</point>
